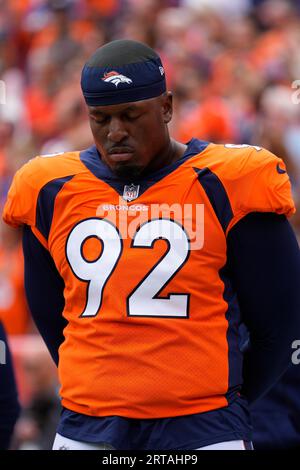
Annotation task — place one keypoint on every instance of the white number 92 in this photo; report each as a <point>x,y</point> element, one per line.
<point>143,300</point>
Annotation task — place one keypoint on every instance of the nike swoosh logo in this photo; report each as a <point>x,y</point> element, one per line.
<point>279,170</point>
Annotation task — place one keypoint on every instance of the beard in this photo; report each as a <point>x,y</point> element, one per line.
<point>128,171</point>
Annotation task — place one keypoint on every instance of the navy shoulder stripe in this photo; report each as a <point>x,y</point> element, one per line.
<point>217,195</point>
<point>45,204</point>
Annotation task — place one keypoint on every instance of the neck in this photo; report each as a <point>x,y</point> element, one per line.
<point>171,153</point>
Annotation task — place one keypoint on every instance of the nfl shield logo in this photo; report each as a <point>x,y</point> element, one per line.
<point>130,192</point>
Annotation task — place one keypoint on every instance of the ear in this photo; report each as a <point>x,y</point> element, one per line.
<point>167,106</point>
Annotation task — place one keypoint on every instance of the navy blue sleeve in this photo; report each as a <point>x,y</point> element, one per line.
<point>44,291</point>
<point>276,417</point>
<point>264,261</point>
<point>9,404</point>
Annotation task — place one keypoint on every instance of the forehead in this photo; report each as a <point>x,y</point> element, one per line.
<point>142,105</point>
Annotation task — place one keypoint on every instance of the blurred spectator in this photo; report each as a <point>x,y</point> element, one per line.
<point>37,382</point>
<point>9,404</point>
<point>14,312</point>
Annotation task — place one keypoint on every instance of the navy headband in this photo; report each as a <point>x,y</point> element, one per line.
<point>109,85</point>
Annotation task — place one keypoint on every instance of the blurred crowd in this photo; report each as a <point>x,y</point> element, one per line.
<point>234,69</point>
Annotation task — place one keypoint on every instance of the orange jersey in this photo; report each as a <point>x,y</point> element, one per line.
<point>152,320</point>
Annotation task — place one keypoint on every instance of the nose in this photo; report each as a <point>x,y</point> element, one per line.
<point>116,131</point>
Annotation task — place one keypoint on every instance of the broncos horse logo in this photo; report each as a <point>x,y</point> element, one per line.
<point>115,78</point>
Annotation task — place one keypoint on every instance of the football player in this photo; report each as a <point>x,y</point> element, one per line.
<point>142,257</point>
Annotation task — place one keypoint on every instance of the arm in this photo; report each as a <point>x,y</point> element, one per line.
<point>44,291</point>
<point>264,261</point>
<point>276,416</point>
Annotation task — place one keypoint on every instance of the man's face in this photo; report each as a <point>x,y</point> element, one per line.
<point>129,136</point>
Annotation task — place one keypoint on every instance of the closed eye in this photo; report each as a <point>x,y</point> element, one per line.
<point>99,121</point>
<point>133,118</point>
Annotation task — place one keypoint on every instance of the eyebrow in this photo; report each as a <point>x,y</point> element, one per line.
<point>128,108</point>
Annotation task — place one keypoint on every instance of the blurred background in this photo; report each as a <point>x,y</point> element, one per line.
<point>233,67</point>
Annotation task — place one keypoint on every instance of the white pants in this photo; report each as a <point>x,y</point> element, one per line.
<point>64,443</point>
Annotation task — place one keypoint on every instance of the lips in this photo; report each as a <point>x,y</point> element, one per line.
<point>120,154</point>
